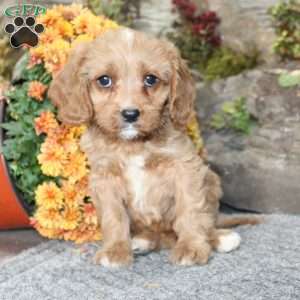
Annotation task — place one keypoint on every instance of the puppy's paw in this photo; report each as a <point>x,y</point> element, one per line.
<point>116,256</point>
<point>187,254</point>
<point>142,245</point>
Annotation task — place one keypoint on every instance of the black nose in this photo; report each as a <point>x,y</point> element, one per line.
<point>130,115</point>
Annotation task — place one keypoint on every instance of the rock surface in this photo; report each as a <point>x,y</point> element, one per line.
<point>262,169</point>
<point>156,17</point>
<point>246,25</point>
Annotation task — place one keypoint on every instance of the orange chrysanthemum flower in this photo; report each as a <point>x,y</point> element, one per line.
<point>50,18</point>
<point>36,90</point>
<point>49,35</point>
<point>49,196</point>
<point>73,194</point>
<point>55,55</point>
<point>45,123</point>
<point>83,233</point>
<point>52,159</point>
<point>76,167</point>
<point>64,29</point>
<point>90,216</point>
<point>50,233</point>
<point>71,217</point>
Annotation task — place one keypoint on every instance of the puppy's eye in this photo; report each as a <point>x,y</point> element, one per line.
<point>150,80</point>
<point>105,81</point>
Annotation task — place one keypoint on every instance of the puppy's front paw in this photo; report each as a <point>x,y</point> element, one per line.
<point>187,254</point>
<point>116,256</point>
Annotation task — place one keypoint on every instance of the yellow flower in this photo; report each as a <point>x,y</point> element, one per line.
<point>77,131</point>
<point>49,196</point>
<point>64,28</point>
<point>55,55</point>
<point>36,90</point>
<point>76,166</point>
<point>73,194</point>
<point>45,123</point>
<point>36,56</point>
<point>52,158</point>
<point>194,132</point>
<point>50,233</point>
<point>84,21</point>
<point>50,18</point>
<point>71,217</point>
<point>83,233</point>
<point>48,36</point>
<point>90,216</point>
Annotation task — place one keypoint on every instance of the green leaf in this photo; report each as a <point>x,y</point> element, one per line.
<point>12,128</point>
<point>289,80</point>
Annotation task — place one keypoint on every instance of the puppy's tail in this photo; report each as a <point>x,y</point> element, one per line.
<point>226,221</point>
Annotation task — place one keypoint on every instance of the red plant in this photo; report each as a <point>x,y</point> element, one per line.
<point>203,25</point>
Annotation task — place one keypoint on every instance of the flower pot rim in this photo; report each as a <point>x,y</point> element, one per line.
<point>28,209</point>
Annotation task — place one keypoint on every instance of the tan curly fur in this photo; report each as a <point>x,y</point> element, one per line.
<point>150,188</point>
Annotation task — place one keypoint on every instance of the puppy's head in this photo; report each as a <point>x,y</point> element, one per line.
<point>130,85</point>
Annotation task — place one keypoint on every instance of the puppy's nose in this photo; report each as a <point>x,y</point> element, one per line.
<point>130,115</point>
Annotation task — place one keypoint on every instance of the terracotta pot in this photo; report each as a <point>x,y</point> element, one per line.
<point>13,211</point>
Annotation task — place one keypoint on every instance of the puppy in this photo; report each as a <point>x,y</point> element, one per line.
<point>149,186</point>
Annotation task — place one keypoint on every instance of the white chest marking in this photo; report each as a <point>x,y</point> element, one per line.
<point>136,176</point>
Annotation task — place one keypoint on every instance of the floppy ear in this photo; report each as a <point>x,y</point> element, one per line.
<point>183,92</point>
<point>69,90</point>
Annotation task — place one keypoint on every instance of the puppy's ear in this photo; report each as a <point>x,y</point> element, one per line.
<point>69,90</point>
<point>183,92</point>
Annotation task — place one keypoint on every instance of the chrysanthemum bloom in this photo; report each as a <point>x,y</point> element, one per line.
<point>76,166</point>
<point>90,216</point>
<point>50,18</point>
<point>52,159</point>
<point>64,28</point>
<point>83,233</point>
<point>49,35</point>
<point>50,233</point>
<point>49,196</point>
<point>36,90</point>
<point>45,123</point>
<point>73,194</point>
<point>71,217</point>
<point>55,55</point>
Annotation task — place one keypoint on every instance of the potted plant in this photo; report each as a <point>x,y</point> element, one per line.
<point>13,212</point>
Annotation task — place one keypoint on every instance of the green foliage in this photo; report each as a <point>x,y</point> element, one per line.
<point>289,79</point>
<point>233,115</point>
<point>194,50</point>
<point>21,144</point>
<point>225,62</point>
<point>121,11</point>
<point>286,17</point>
<point>213,63</point>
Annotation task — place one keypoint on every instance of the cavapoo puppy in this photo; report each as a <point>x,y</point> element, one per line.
<point>149,186</point>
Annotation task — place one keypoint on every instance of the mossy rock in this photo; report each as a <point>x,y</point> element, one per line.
<point>225,62</point>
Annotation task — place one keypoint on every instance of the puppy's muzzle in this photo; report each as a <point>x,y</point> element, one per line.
<point>130,115</point>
